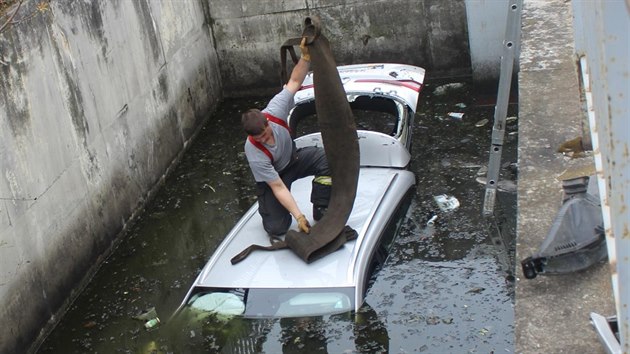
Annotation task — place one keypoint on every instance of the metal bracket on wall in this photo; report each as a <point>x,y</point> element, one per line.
<point>512,33</point>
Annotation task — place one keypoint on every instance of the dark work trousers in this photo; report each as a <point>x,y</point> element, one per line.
<point>308,161</point>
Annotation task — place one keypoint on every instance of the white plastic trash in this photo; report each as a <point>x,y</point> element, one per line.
<point>220,303</point>
<point>446,202</point>
<point>456,115</point>
<point>481,123</point>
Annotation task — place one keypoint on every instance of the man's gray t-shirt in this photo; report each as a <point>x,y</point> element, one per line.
<point>259,162</point>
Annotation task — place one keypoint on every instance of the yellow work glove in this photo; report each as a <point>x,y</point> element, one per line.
<point>305,53</point>
<point>303,224</point>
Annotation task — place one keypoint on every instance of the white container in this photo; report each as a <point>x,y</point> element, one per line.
<point>456,115</point>
<point>446,202</point>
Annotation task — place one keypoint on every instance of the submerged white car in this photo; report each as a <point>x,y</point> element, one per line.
<point>279,283</point>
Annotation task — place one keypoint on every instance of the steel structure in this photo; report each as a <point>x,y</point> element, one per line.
<point>602,48</point>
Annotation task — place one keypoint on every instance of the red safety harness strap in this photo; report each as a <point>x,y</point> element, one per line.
<point>277,121</point>
<point>260,146</point>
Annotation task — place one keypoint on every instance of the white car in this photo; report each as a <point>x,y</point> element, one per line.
<point>278,283</point>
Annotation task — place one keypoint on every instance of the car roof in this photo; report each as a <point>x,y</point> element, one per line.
<point>283,268</point>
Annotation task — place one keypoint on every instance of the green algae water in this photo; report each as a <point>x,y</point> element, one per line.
<point>447,286</point>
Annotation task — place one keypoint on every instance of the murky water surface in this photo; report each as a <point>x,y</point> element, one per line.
<point>446,287</point>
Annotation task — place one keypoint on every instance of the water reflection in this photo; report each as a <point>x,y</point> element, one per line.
<point>362,332</point>
<point>301,333</point>
<point>445,287</point>
<point>194,332</point>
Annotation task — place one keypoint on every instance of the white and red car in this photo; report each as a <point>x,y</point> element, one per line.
<point>383,98</point>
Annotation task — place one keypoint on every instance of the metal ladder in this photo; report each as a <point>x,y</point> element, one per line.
<point>512,33</point>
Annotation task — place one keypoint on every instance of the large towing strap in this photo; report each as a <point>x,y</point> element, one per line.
<point>311,248</point>
<point>339,135</point>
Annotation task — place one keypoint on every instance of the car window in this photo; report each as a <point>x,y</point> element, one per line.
<point>377,114</point>
<point>298,302</point>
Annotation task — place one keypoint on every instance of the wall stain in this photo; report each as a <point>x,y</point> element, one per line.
<point>146,19</point>
<point>89,12</point>
<point>116,5</point>
<point>73,97</point>
<point>12,93</point>
<point>163,85</point>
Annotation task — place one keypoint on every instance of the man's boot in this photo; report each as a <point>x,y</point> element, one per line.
<point>320,195</point>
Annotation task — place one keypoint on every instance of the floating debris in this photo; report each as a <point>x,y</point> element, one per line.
<point>456,115</point>
<point>446,202</point>
<point>89,324</point>
<point>460,105</point>
<point>457,163</point>
<point>469,165</point>
<point>160,262</point>
<point>152,324</point>
<point>206,186</point>
<point>151,347</point>
<point>148,314</point>
<point>440,90</point>
<point>511,119</point>
<point>481,123</point>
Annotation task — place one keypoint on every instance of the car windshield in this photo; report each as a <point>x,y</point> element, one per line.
<point>298,302</point>
<point>372,113</point>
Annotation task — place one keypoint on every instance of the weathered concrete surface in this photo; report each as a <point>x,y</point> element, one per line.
<point>429,33</point>
<point>552,312</point>
<point>97,100</point>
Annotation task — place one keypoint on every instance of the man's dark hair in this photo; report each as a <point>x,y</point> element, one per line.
<point>253,121</point>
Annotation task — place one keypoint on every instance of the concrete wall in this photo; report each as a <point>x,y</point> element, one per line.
<point>427,33</point>
<point>97,99</point>
<point>487,22</point>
